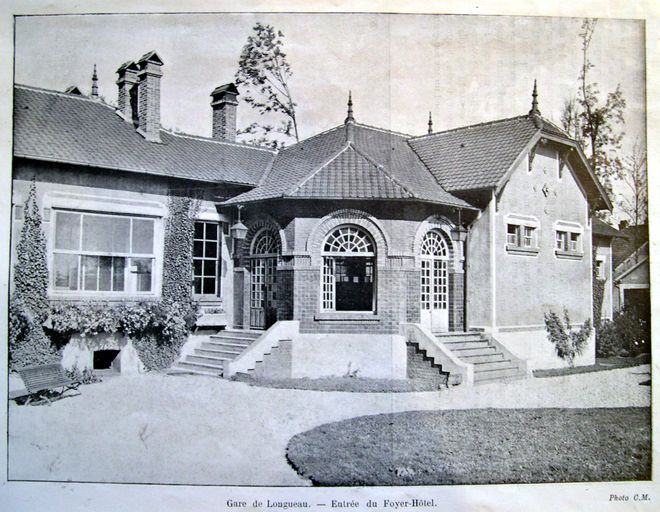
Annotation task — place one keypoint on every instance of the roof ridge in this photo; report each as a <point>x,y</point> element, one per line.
<point>216,141</point>
<point>381,168</point>
<point>468,127</point>
<point>287,148</point>
<point>316,171</point>
<point>384,130</point>
<point>65,95</point>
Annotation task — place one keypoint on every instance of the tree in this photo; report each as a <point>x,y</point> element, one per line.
<point>264,71</point>
<point>634,204</point>
<point>594,123</point>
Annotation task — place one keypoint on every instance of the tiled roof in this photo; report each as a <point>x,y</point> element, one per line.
<point>478,156</point>
<point>66,128</point>
<point>378,164</point>
<point>632,237</point>
<point>602,229</point>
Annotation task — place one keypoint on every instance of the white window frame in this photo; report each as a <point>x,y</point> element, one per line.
<point>571,235</point>
<point>525,240</point>
<point>130,277</point>
<point>328,291</point>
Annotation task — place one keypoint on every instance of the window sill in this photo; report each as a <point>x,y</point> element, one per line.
<point>346,316</point>
<point>568,255</point>
<point>523,251</point>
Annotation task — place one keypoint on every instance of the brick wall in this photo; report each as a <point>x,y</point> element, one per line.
<point>420,368</point>
<point>239,306</point>
<point>285,294</point>
<point>456,286</point>
<point>224,122</point>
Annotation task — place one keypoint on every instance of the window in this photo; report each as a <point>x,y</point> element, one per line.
<point>206,259</point>
<point>348,271</point>
<point>103,253</point>
<point>600,268</point>
<point>568,241</point>
<point>521,237</point>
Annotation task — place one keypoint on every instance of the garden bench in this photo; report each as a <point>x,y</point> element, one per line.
<point>43,378</point>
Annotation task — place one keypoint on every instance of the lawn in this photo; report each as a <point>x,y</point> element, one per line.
<point>350,384</point>
<point>478,446</point>
<point>602,364</point>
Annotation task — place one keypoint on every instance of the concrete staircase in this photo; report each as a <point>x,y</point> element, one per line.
<point>490,360</point>
<point>210,357</point>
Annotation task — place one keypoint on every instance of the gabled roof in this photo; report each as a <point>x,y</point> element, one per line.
<point>477,156</point>
<point>376,164</point>
<point>632,262</point>
<point>481,156</point>
<point>58,127</point>
<point>632,238</point>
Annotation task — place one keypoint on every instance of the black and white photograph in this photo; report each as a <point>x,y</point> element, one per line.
<point>388,255</point>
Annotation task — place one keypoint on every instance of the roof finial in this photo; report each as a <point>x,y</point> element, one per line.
<point>535,104</point>
<point>430,124</point>
<point>349,117</point>
<point>95,84</point>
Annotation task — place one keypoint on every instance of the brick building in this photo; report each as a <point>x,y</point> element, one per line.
<point>356,249</point>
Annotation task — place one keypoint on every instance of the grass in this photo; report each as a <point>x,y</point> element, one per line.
<point>480,446</point>
<point>602,364</point>
<point>351,384</point>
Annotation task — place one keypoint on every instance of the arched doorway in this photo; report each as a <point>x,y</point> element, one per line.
<point>434,292</point>
<point>264,252</point>
<point>348,276</point>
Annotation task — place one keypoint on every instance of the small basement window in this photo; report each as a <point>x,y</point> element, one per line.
<point>103,359</point>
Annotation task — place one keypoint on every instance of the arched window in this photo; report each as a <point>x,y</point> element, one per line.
<point>349,258</point>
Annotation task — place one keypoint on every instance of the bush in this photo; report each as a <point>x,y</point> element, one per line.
<point>568,343</point>
<point>158,329</point>
<point>85,376</point>
<point>629,333</point>
<point>28,343</point>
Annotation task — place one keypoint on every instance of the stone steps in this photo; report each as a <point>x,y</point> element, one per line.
<point>211,355</point>
<point>490,362</point>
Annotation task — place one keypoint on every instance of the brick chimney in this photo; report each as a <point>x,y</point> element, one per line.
<point>127,94</point>
<point>224,105</point>
<point>148,100</point>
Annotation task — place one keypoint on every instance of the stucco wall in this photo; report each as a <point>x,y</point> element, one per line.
<point>530,285</point>
<point>603,250</point>
<point>479,272</point>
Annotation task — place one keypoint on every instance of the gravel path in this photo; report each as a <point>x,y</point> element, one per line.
<point>197,430</point>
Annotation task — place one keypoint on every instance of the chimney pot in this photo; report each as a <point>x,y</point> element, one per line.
<point>224,102</point>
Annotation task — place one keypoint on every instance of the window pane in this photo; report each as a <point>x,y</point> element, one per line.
<point>211,250</point>
<point>142,273</point>
<point>198,249</point>
<point>118,271</point>
<point>211,231</point>
<point>90,270</point>
<point>197,285</point>
<point>67,231</point>
<point>106,234</point>
<point>105,273</point>
<point>66,271</point>
<point>199,230</point>
<point>197,267</point>
<point>143,236</point>
<point>209,286</point>
<point>209,268</point>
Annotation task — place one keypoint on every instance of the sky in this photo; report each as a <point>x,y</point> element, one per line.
<point>464,69</point>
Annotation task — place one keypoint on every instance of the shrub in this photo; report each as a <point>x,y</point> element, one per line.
<point>568,343</point>
<point>28,343</point>
<point>85,376</point>
<point>627,334</point>
<point>158,329</point>
<point>31,268</point>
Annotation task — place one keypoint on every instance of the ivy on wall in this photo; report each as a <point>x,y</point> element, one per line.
<point>598,286</point>
<point>178,256</point>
